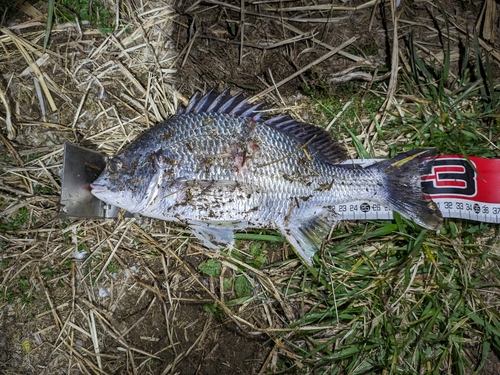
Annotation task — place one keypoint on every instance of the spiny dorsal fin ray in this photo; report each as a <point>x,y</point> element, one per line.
<point>315,137</point>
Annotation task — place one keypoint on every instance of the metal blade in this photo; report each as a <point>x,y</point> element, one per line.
<point>81,167</point>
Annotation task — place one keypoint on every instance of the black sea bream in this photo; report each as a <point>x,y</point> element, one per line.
<point>217,166</point>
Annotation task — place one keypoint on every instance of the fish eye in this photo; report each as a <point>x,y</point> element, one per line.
<point>114,165</point>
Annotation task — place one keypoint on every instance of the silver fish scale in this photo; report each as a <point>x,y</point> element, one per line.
<point>232,169</point>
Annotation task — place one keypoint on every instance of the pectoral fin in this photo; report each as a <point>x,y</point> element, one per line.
<point>215,235</point>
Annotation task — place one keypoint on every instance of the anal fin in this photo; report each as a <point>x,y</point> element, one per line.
<point>306,235</point>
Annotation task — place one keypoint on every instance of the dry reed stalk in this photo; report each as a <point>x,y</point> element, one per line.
<point>329,7</point>
<point>305,68</point>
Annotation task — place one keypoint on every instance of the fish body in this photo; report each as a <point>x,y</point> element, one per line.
<point>217,167</point>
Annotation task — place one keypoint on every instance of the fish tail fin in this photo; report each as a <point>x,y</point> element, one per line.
<point>403,187</point>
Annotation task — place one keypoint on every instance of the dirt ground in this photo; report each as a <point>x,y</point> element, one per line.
<point>128,296</point>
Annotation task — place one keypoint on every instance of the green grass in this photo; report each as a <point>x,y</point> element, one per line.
<point>113,268</point>
<point>405,300</point>
<point>42,190</point>
<point>331,100</point>
<point>21,292</point>
<point>456,113</point>
<point>349,103</point>
<point>18,221</point>
<point>239,285</point>
<point>93,12</point>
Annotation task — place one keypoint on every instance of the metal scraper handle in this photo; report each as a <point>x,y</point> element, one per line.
<point>80,168</point>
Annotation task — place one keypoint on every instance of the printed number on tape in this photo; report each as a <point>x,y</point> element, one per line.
<point>464,189</point>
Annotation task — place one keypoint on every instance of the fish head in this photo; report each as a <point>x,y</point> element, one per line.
<point>132,180</point>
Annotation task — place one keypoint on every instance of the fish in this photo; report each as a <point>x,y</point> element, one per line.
<point>219,165</point>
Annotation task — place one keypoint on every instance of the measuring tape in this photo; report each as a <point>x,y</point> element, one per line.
<point>461,188</point>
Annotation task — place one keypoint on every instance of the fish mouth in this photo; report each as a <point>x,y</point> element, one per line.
<point>96,188</point>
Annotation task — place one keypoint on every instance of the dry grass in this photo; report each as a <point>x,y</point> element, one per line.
<point>127,296</point>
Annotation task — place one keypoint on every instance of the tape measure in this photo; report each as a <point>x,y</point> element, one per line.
<point>461,188</point>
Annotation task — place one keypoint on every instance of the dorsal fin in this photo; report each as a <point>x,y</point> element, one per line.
<point>224,102</point>
<point>317,138</point>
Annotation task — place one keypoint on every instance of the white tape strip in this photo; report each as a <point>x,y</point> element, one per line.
<point>451,208</point>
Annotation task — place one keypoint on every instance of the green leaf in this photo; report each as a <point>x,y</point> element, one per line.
<point>227,283</point>
<point>50,17</point>
<point>242,287</point>
<point>211,267</point>
<point>259,237</point>
<point>214,309</point>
